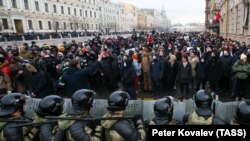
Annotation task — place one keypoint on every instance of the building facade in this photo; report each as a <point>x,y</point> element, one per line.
<point>235,20</point>
<point>109,16</point>
<point>23,16</point>
<point>212,8</point>
<point>160,20</point>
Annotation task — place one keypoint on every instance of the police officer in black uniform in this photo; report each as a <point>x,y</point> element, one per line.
<point>12,106</point>
<point>203,115</point>
<point>49,106</point>
<point>82,101</point>
<point>242,114</point>
<point>120,130</point>
<point>163,109</point>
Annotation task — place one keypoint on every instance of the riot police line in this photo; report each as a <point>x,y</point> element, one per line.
<point>84,118</point>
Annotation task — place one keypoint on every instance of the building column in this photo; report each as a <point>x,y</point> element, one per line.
<point>227,19</point>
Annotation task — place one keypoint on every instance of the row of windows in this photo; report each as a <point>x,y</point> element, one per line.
<point>56,25</point>
<point>54,10</point>
<point>108,10</point>
<point>26,3</point>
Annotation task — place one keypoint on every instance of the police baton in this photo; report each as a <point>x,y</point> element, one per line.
<point>34,124</point>
<point>88,119</point>
<point>56,119</point>
<point>13,120</point>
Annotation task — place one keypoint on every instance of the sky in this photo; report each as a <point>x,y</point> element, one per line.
<point>178,11</point>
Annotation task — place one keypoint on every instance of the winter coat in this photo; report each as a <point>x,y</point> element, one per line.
<point>74,79</point>
<point>156,70</point>
<point>137,67</point>
<point>41,85</point>
<point>146,60</point>
<point>128,75</point>
<point>193,63</point>
<point>226,65</point>
<point>184,73</point>
<point>213,71</point>
<point>171,71</point>
<point>241,71</point>
<point>200,70</point>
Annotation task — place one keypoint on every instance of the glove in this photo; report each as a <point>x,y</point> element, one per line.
<point>139,121</point>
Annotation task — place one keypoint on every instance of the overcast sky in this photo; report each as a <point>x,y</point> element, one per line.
<point>179,11</point>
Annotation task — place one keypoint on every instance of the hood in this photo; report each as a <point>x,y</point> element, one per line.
<point>108,123</point>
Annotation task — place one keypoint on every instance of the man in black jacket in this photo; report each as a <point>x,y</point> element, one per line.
<point>75,78</point>
<point>128,78</point>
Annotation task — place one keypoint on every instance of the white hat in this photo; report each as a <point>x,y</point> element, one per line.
<point>243,56</point>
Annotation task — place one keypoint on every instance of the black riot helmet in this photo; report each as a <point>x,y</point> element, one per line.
<point>82,99</point>
<point>12,103</point>
<point>50,106</point>
<point>203,102</point>
<point>243,113</point>
<point>118,100</point>
<point>163,108</point>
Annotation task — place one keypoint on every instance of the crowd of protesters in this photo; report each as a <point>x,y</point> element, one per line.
<point>154,63</point>
<point>50,35</point>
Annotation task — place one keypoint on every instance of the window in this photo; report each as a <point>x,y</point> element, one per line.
<point>64,26</point>
<point>75,11</point>
<point>46,7</point>
<point>96,26</point>
<point>82,26</point>
<point>94,2</point>
<point>40,23</point>
<point>37,5</point>
<point>95,14</point>
<point>57,25</point>
<point>14,5</point>
<point>69,10</point>
<point>76,26</point>
<point>89,1</point>
<point>54,7</point>
<point>5,24</point>
<point>71,26</point>
<point>49,25</point>
<point>26,4</point>
<point>1,2</point>
<point>62,9</point>
<point>80,12</point>
<point>30,24</point>
<point>86,13</point>
<point>90,14</point>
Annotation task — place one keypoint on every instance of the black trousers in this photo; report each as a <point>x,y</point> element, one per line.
<point>184,87</point>
<point>241,87</point>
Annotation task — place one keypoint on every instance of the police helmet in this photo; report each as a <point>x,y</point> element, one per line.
<point>11,103</point>
<point>118,101</point>
<point>163,108</point>
<point>82,99</point>
<point>203,102</point>
<point>243,113</point>
<point>50,106</point>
